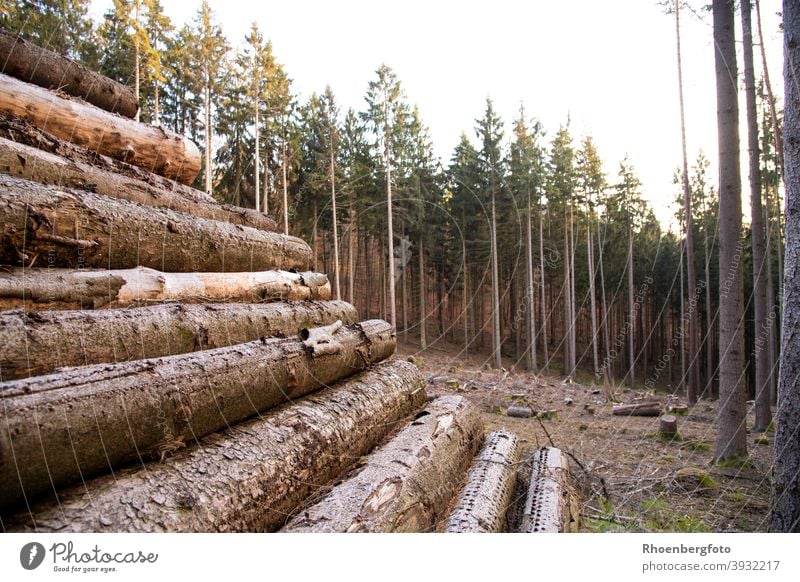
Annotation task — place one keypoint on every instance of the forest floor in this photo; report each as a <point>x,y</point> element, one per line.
<point>630,479</point>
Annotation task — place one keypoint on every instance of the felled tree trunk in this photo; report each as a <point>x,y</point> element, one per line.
<point>53,227</point>
<point>82,421</point>
<point>406,485</point>
<point>550,506</point>
<point>485,499</point>
<point>32,164</point>
<point>637,409</point>
<point>248,478</point>
<point>33,344</point>
<point>76,289</point>
<point>33,64</point>
<point>153,148</point>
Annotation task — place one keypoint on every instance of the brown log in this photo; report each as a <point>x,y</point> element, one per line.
<point>86,420</point>
<point>637,409</point>
<point>519,411</point>
<point>668,426</point>
<point>406,485</point>
<point>78,289</point>
<point>37,343</point>
<point>248,478</point>
<point>33,64</point>
<point>155,149</point>
<point>550,506</point>
<point>56,227</point>
<point>485,499</point>
<point>32,164</point>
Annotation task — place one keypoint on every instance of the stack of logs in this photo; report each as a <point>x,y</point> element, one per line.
<point>167,363</point>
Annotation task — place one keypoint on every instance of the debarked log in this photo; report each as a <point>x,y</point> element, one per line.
<point>247,478</point>
<point>86,420</point>
<point>155,149</point>
<point>550,506</point>
<point>50,226</point>
<point>78,289</point>
<point>36,343</point>
<point>485,499</point>
<point>33,64</point>
<point>405,485</point>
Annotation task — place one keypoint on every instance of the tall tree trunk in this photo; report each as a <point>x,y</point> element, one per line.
<point>390,227</point>
<point>772,311</point>
<point>284,161</point>
<point>731,435</point>
<point>352,249</point>
<point>266,184</point>
<point>423,308</point>
<point>136,55</point>
<point>605,322</point>
<point>207,133</point>
<point>573,320</point>
<point>709,385</point>
<point>337,294</point>
<point>543,295</point>
<point>773,114</point>
<point>631,310</point>
<point>257,154</point>
<point>567,287</point>
<point>497,339</point>
<point>592,300</point>
<point>531,303</point>
<point>404,280</point>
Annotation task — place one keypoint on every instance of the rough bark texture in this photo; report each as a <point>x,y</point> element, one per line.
<point>248,478</point>
<point>551,505</point>
<point>33,64</point>
<point>637,409</point>
<point>27,162</point>
<point>785,514</point>
<point>668,425</point>
<point>153,148</point>
<point>37,343</point>
<point>406,484</point>
<point>57,227</point>
<point>485,499</point>
<point>83,421</point>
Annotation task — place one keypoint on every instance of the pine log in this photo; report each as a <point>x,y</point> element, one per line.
<point>37,343</point>
<point>33,64</point>
<point>637,409</point>
<point>23,161</point>
<point>50,289</point>
<point>86,420</point>
<point>248,478</point>
<point>550,506</point>
<point>406,485</point>
<point>155,149</point>
<point>485,499</point>
<point>77,229</point>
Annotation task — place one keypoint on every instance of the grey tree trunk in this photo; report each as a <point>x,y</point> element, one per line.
<point>498,340</point>
<point>32,344</point>
<point>731,434</point>
<point>407,484</point>
<point>785,510</point>
<point>423,308</point>
<point>207,130</point>
<point>550,507</point>
<point>773,114</point>
<point>150,407</point>
<point>78,229</point>
<point>568,329</point>
<point>248,478</point>
<point>631,311</point>
<point>592,300</point>
<point>257,154</point>
<point>542,295</point>
<point>136,54</point>
<point>534,366</point>
<point>605,323</point>
<point>337,292</point>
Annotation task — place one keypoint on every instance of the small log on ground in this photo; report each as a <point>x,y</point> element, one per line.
<point>406,485</point>
<point>33,64</point>
<point>637,409</point>
<point>155,149</point>
<point>57,227</point>
<point>36,343</point>
<point>519,411</point>
<point>24,161</point>
<point>86,420</point>
<point>248,478</point>
<point>668,426</point>
<point>550,506</point>
<point>78,289</point>
<point>485,499</point>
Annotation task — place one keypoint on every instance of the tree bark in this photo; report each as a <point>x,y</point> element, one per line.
<point>731,435</point>
<point>152,148</point>
<point>785,506</point>
<point>550,506</point>
<point>405,485</point>
<point>423,308</point>
<point>592,299</point>
<point>32,64</point>
<point>497,343</point>
<point>534,365</point>
<point>32,164</point>
<point>545,347</point>
<point>485,499</point>
<point>248,478</point>
<point>149,407</point>
<point>79,229</point>
<point>33,344</point>
<point>668,426</point>
<point>637,409</point>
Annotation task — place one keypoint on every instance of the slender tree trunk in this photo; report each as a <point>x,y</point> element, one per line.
<point>531,302</point>
<point>351,253</point>
<point>336,288</point>
<point>404,280</point>
<point>631,310</point>
<point>604,322</point>
<point>545,347</point>
<point>423,315</point>
<point>285,186</point>
<point>257,155</point>
<point>731,435</point>
<point>567,371</point>
<point>592,300</point>
<point>709,386</point>
<point>772,311</point>
<point>466,297</point>
<point>265,186</point>
<point>682,384</point>
<point>497,343</point>
<point>573,320</point>
<point>390,228</point>
<point>207,134</point>
<point>773,114</point>
<point>136,57</point>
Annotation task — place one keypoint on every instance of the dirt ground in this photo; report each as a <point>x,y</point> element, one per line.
<point>629,478</point>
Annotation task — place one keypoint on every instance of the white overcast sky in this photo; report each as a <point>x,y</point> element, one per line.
<point>610,65</point>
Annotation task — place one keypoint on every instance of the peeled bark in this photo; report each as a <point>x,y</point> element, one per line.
<point>83,421</point>
<point>638,409</point>
<point>79,229</point>
<point>153,148</point>
<point>485,499</point>
<point>32,164</point>
<point>406,485</point>
<point>33,64</point>
<point>77,289</point>
<point>248,478</point>
<point>33,344</point>
<point>550,506</point>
